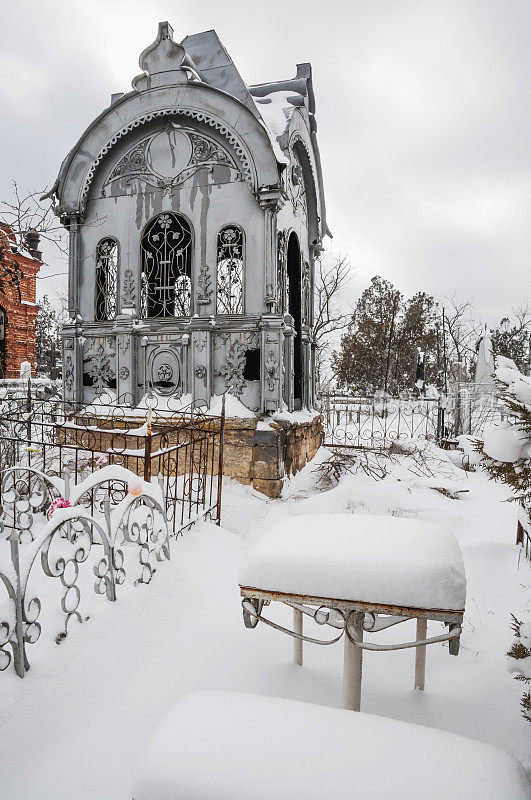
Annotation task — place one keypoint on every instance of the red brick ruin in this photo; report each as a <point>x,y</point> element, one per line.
<point>18,306</point>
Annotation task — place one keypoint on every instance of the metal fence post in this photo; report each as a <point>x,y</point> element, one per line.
<point>220,460</point>
<point>111,587</point>
<point>147,455</point>
<point>19,654</point>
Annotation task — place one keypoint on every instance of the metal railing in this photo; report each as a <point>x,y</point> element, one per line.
<point>99,486</point>
<point>376,421</point>
<point>182,449</point>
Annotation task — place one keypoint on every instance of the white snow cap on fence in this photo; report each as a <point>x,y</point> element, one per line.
<point>214,745</point>
<point>360,557</point>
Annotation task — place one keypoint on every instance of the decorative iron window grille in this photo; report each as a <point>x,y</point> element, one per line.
<point>230,260</point>
<point>166,252</point>
<point>106,278</point>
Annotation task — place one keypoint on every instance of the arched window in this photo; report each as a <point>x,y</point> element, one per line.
<point>166,252</point>
<point>106,278</point>
<point>230,260</point>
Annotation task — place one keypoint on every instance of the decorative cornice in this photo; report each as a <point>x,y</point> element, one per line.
<point>247,166</point>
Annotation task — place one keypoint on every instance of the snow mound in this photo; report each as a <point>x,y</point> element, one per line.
<point>360,557</point>
<point>214,745</point>
<point>504,442</point>
<point>233,407</point>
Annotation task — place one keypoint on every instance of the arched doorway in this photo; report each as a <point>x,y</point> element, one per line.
<point>294,308</point>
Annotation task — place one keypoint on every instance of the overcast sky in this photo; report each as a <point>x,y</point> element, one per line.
<point>423,111</point>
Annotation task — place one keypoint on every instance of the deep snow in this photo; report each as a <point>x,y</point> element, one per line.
<point>75,726</point>
<point>318,753</point>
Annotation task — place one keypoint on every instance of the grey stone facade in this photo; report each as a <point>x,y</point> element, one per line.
<point>195,210</point>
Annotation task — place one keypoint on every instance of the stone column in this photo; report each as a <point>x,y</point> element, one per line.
<point>70,362</point>
<point>271,362</point>
<point>271,201</point>
<point>305,366</point>
<point>289,360</point>
<point>200,358</point>
<point>125,365</point>
<point>74,262</point>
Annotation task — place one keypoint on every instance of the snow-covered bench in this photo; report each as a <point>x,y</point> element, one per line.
<point>229,746</point>
<point>356,573</point>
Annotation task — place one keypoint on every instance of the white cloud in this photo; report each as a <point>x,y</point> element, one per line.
<point>422,107</point>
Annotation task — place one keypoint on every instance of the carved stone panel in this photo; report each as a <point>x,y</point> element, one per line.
<point>99,365</point>
<point>237,370</point>
<point>167,158</point>
<point>165,370</point>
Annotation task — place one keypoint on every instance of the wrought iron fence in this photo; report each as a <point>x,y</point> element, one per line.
<point>182,449</point>
<point>376,421</point>
<point>130,536</point>
<point>98,485</point>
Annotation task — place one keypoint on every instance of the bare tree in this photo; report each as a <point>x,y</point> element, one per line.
<point>23,222</point>
<point>331,278</point>
<point>461,333</point>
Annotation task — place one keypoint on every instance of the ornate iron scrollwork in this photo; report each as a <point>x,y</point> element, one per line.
<point>167,267</point>
<point>168,157</point>
<point>106,279</point>
<point>232,369</point>
<point>230,263</point>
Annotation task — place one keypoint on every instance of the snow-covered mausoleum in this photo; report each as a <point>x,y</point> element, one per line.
<point>195,209</point>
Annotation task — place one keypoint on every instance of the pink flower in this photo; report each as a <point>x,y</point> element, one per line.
<point>135,489</point>
<point>60,502</point>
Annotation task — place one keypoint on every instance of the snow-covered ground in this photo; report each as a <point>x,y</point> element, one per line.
<point>74,727</point>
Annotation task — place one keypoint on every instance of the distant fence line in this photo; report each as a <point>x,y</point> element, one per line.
<point>371,421</point>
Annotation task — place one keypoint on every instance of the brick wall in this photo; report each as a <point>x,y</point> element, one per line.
<point>20,314</point>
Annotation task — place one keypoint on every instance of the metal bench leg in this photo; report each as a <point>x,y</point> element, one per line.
<point>297,643</point>
<point>352,666</point>
<point>420,654</point>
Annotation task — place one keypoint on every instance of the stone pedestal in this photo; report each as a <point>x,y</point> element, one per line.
<point>262,453</point>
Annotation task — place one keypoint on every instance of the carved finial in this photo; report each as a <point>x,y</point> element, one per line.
<point>162,61</point>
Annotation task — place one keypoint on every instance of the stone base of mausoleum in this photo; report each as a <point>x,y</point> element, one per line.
<point>256,452</point>
<point>262,453</point>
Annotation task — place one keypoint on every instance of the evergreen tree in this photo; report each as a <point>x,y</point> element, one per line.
<point>362,358</point>
<point>507,457</point>
<point>520,661</point>
<point>507,447</point>
<point>379,346</point>
<point>417,328</point>
<point>511,338</point>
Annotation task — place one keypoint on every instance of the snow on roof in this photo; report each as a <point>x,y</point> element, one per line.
<point>360,557</point>
<point>239,746</point>
<point>276,110</point>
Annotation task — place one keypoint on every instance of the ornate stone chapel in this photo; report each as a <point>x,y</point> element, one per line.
<point>195,210</point>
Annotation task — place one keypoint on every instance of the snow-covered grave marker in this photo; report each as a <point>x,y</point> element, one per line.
<point>356,573</point>
<point>214,745</point>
